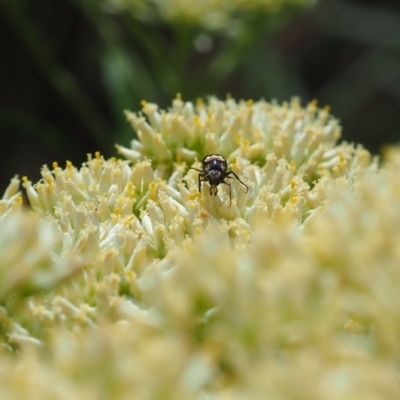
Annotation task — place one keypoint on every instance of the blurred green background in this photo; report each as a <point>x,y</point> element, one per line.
<point>70,67</point>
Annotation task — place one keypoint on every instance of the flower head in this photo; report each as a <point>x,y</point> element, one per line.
<point>296,280</point>
<point>208,14</point>
<point>283,152</point>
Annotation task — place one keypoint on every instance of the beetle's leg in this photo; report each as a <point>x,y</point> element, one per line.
<point>200,182</point>
<point>232,173</point>
<point>213,187</point>
<point>201,179</point>
<point>201,175</point>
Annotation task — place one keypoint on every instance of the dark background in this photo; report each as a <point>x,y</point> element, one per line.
<point>70,68</point>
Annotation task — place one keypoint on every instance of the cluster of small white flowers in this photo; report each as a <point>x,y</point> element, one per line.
<point>298,276</point>
<point>32,261</point>
<point>125,218</point>
<point>283,152</point>
<point>12,198</point>
<point>209,14</point>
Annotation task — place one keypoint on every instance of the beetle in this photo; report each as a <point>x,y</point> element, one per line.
<point>214,171</point>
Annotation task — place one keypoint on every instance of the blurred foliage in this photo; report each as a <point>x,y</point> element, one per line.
<point>71,67</point>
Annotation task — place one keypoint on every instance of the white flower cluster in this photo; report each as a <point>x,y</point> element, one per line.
<point>181,293</point>
<point>283,152</point>
<point>125,220</point>
<point>208,14</point>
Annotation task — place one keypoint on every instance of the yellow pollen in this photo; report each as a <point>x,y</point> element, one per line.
<point>130,275</point>
<point>97,154</point>
<point>153,191</point>
<point>130,190</point>
<point>114,301</point>
<point>203,214</point>
<point>25,179</point>
<point>128,219</point>
<point>143,103</point>
<point>314,102</point>
<point>39,311</point>
<point>114,279</point>
<point>250,102</point>
<point>80,317</point>
<point>327,108</point>
<point>238,140</point>
<point>199,102</point>
<point>68,164</point>
<point>245,144</point>
<point>55,164</point>
<point>178,96</point>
